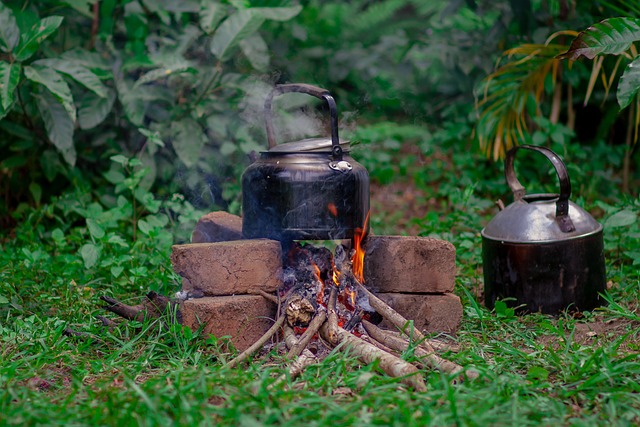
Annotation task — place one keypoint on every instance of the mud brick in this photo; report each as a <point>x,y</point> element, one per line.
<point>430,313</point>
<point>244,318</point>
<point>229,268</point>
<point>409,264</point>
<point>217,226</point>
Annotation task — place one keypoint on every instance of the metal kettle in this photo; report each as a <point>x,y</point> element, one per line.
<point>543,253</point>
<point>304,190</point>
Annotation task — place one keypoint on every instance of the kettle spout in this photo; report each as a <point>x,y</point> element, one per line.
<point>500,204</point>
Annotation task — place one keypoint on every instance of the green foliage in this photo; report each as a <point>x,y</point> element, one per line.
<point>392,58</point>
<point>609,37</point>
<point>174,70</point>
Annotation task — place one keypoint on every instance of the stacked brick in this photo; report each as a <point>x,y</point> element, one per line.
<point>415,276</point>
<point>222,273</point>
<point>224,276</point>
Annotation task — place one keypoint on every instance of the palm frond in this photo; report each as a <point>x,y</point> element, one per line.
<point>504,95</point>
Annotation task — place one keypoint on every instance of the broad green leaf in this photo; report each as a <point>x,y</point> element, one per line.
<point>629,83</point>
<point>36,192</point>
<point>117,271</point>
<point>3,300</point>
<point>3,112</point>
<point>90,254</point>
<point>188,140</point>
<point>55,84</point>
<point>77,72</point>
<point>120,159</point>
<point>153,137</point>
<point>57,235</point>
<point>256,51</point>
<point>144,227</point>
<point>611,36</point>
<point>93,110</point>
<point>278,13</point>
<point>211,13</point>
<point>9,78</point>
<point>30,41</point>
<point>133,104</point>
<point>9,30</point>
<point>623,218</point>
<point>58,124</point>
<point>50,164</point>
<point>91,60</point>
<point>174,6</point>
<point>163,72</point>
<point>233,30</point>
<point>95,229</point>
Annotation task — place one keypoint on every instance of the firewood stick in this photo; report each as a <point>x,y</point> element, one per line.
<point>368,353</point>
<point>129,312</point>
<point>312,329</point>
<point>297,367</point>
<point>258,344</point>
<point>274,299</point>
<point>332,317</point>
<point>378,344</point>
<point>401,344</point>
<point>394,317</point>
<point>435,343</point>
<point>106,322</point>
<point>290,338</point>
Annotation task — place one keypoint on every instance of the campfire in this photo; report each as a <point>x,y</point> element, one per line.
<point>322,302</point>
<point>310,190</point>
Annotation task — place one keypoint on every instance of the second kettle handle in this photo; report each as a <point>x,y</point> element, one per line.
<point>562,204</point>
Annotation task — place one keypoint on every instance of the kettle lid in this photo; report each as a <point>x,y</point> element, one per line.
<point>309,145</point>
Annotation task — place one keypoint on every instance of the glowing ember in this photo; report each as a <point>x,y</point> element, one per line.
<point>358,257</point>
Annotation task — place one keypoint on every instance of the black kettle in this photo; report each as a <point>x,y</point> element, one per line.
<point>304,190</point>
<point>543,253</point>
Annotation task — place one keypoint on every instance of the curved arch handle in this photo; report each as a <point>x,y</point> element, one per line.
<point>312,90</point>
<point>562,204</point>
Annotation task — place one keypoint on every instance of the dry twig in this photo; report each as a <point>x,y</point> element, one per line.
<point>312,329</point>
<point>258,344</point>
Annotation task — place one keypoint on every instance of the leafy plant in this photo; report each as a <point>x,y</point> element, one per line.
<point>503,104</point>
<point>139,84</point>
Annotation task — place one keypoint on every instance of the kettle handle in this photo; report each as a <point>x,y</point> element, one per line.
<point>562,204</point>
<point>312,90</point>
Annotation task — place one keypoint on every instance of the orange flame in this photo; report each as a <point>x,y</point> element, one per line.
<point>320,295</point>
<point>336,277</point>
<point>357,260</point>
<point>352,297</point>
<point>316,270</point>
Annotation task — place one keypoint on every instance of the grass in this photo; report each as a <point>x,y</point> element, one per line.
<point>535,369</point>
